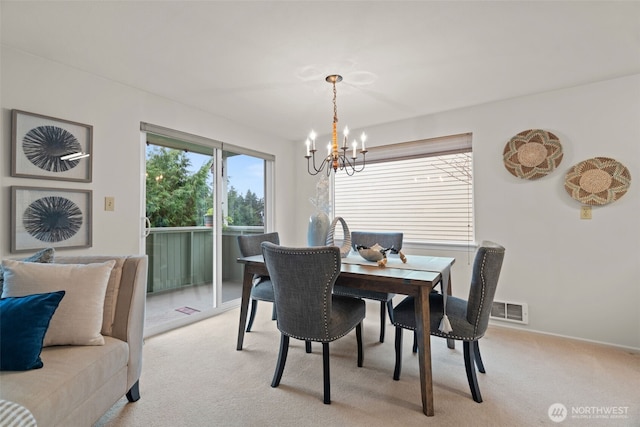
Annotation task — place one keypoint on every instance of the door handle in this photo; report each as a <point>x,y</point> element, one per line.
<point>147,226</point>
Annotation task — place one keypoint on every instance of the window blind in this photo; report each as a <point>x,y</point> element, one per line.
<point>425,195</point>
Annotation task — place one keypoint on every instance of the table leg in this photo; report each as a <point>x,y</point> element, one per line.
<point>244,306</point>
<point>451,343</point>
<point>423,331</point>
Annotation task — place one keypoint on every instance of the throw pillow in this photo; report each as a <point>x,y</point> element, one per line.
<point>44,255</point>
<point>113,286</point>
<point>111,297</point>
<point>78,319</point>
<point>23,324</point>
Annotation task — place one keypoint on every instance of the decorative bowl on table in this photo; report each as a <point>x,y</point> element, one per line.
<point>374,253</point>
<point>378,254</point>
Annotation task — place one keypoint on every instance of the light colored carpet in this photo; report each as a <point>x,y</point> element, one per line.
<point>193,376</point>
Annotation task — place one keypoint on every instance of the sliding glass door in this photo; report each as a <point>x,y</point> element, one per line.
<point>199,196</point>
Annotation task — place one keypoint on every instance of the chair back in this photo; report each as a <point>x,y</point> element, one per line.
<point>484,281</point>
<point>250,243</point>
<point>303,280</point>
<point>386,239</point>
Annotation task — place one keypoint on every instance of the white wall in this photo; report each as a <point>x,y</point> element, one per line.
<point>580,278</point>
<point>37,85</point>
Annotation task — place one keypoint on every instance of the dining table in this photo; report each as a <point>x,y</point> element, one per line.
<point>416,276</point>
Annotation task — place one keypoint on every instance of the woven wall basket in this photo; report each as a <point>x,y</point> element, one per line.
<point>597,181</point>
<point>532,154</point>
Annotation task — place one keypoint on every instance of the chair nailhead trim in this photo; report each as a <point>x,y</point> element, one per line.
<point>477,320</point>
<point>327,339</point>
<point>484,259</point>
<point>325,302</point>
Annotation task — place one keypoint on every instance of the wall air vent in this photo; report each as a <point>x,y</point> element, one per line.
<point>510,312</point>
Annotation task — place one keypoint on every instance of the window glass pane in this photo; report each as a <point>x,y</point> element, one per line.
<point>245,190</point>
<point>178,187</point>
<point>429,199</point>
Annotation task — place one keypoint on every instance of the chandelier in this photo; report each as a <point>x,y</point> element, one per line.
<point>343,158</point>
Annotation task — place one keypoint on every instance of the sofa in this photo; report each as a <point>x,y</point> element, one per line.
<point>79,381</point>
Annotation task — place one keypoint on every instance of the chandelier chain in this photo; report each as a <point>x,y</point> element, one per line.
<point>335,104</point>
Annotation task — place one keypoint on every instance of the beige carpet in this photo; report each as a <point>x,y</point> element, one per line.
<point>193,376</point>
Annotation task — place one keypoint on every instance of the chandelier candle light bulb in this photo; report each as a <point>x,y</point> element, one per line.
<point>346,134</point>
<point>337,157</point>
<point>312,137</point>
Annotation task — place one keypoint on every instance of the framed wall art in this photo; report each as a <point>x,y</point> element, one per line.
<point>50,217</point>
<point>49,148</point>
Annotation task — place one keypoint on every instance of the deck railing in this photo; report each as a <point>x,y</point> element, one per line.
<point>183,256</point>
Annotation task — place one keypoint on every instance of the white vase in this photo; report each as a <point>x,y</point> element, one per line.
<point>318,229</point>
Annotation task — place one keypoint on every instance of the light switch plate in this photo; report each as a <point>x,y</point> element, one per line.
<point>585,212</point>
<point>109,203</point>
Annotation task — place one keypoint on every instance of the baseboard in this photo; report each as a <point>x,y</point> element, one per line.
<point>535,331</point>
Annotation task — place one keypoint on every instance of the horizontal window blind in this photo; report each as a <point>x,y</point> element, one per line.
<point>428,198</point>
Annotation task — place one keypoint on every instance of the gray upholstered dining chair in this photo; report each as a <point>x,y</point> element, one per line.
<point>262,289</point>
<point>303,280</point>
<point>368,239</point>
<point>469,318</point>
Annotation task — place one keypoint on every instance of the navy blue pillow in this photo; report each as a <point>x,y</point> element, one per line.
<point>23,323</point>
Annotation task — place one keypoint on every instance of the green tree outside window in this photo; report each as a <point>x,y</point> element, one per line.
<point>177,197</point>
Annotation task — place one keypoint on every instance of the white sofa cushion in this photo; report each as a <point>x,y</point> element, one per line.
<point>71,377</point>
<point>79,317</point>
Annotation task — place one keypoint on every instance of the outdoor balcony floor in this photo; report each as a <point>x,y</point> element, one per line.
<point>165,307</point>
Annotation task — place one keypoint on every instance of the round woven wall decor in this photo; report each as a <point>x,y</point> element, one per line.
<point>532,154</point>
<point>597,181</point>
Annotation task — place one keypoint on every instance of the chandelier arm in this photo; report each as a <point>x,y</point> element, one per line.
<point>352,162</point>
<point>316,169</point>
<point>344,162</point>
<point>364,153</point>
<point>312,173</point>
<point>347,166</point>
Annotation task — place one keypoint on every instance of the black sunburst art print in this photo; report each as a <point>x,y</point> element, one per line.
<point>44,145</point>
<point>52,219</point>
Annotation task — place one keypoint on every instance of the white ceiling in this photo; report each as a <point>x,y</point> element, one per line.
<point>262,64</point>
